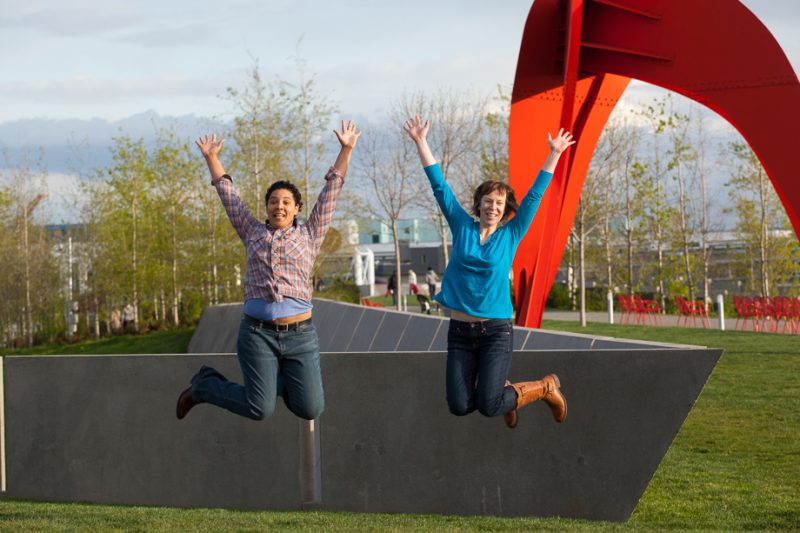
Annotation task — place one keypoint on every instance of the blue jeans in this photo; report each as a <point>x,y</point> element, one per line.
<point>273,363</point>
<point>478,361</point>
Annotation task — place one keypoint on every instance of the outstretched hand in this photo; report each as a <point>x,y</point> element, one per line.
<point>416,129</point>
<point>562,141</point>
<point>348,137</point>
<point>210,147</point>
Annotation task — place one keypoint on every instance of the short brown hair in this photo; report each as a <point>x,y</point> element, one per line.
<point>488,187</point>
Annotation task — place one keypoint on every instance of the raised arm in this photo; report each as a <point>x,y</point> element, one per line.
<point>530,203</point>
<point>557,146</point>
<point>239,214</point>
<point>419,134</point>
<point>448,203</point>
<point>210,148</point>
<point>348,138</point>
<point>322,213</point>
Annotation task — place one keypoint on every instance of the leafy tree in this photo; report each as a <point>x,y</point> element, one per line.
<point>761,223</point>
<point>389,175</point>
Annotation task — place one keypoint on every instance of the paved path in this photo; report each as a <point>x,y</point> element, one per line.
<point>665,320</point>
<point>597,316</point>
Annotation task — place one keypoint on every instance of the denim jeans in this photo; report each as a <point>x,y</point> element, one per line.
<point>478,361</point>
<point>273,364</point>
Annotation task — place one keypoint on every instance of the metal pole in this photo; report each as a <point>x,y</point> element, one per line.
<point>310,466</point>
<point>610,305</point>
<point>721,310</point>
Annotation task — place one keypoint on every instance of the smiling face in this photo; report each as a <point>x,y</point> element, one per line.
<point>492,207</point>
<point>281,208</point>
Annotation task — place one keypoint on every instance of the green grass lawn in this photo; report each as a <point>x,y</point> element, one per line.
<point>158,342</point>
<point>734,466</point>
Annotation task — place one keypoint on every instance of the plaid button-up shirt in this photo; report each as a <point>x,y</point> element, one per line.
<point>279,261</point>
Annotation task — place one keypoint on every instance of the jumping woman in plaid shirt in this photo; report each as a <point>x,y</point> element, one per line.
<point>277,345</point>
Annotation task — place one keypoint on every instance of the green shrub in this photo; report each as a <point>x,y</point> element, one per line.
<point>340,290</point>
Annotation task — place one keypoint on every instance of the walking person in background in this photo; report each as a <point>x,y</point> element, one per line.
<point>277,345</point>
<point>128,318</point>
<point>431,278</point>
<point>412,281</point>
<point>115,319</point>
<point>475,288</point>
<point>391,287</point>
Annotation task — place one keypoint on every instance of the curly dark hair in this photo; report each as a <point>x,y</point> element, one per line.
<point>488,187</point>
<point>289,186</point>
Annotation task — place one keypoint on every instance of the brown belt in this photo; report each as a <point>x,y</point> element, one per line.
<point>272,326</point>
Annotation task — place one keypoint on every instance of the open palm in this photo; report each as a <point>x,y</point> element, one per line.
<point>561,142</point>
<point>416,129</point>
<point>348,137</point>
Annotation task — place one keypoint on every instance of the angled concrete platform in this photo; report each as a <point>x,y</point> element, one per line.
<point>102,428</point>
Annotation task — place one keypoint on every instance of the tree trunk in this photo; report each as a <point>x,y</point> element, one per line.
<point>764,235</point>
<point>96,324</point>
<point>256,168</point>
<point>581,269</point>
<point>662,296</point>
<point>609,268</point>
<point>704,243</point>
<point>28,323</point>
<point>164,305</point>
<point>175,317</point>
<point>704,224</point>
<point>398,278</point>
<point>133,268</point>
<point>659,243</point>
<point>306,169</point>
<point>214,293</point>
<point>684,233</point>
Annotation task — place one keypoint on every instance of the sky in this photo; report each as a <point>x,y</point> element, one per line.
<point>97,66</point>
<point>111,59</point>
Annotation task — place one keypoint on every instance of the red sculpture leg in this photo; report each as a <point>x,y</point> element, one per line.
<point>717,53</point>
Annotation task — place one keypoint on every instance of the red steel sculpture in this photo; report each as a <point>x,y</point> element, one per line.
<point>577,57</point>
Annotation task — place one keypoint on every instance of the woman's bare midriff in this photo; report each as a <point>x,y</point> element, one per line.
<point>290,319</point>
<point>463,317</point>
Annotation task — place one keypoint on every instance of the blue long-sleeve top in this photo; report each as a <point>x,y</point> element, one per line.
<point>475,281</point>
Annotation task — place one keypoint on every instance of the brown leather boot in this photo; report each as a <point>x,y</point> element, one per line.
<point>185,403</point>
<point>546,389</point>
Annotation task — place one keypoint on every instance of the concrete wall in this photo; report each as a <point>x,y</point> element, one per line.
<point>389,444</point>
<point>102,429</point>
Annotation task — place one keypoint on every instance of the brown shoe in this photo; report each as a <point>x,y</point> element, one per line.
<point>547,389</point>
<point>554,398</point>
<point>185,403</point>
<point>511,416</point>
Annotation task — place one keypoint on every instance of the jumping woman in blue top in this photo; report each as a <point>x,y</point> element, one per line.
<point>475,288</point>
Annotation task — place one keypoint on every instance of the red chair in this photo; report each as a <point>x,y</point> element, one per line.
<point>648,308</point>
<point>702,310</point>
<point>796,313</point>
<point>746,311</point>
<point>369,303</point>
<point>688,308</point>
<point>630,307</point>
<point>783,310</point>
<point>763,312</point>
<point>626,304</point>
